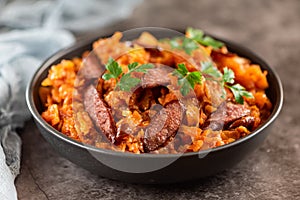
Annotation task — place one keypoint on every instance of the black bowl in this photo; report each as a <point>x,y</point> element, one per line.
<point>185,167</point>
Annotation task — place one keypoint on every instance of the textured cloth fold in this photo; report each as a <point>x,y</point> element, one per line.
<point>77,16</point>
<point>21,52</point>
<point>7,189</point>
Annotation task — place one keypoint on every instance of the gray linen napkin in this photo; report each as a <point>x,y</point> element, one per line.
<point>75,15</point>
<point>21,52</point>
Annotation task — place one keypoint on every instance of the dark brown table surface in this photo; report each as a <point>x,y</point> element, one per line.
<point>271,28</point>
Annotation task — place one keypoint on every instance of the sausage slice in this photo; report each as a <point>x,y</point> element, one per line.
<point>100,113</point>
<point>225,115</point>
<point>157,76</point>
<point>157,134</point>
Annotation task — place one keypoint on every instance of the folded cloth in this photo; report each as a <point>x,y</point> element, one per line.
<point>7,190</point>
<point>21,52</point>
<point>77,16</point>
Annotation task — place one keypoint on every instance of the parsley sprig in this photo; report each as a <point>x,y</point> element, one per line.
<point>209,69</point>
<point>190,43</point>
<point>226,80</point>
<point>186,44</point>
<point>198,36</point>
<point>187,80</point>
<point>113,68</point>
<point>126,82</point>
<point>238,90</point>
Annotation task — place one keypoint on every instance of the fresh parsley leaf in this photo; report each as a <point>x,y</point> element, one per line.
<point>227,81</point>
<point>209,41</point>
<point>182,69</point>
<point>199,37</point>
<point>246,94</point>
<point>133,65</point>
<point>143,68</point>
<point>107,76</point>
<point>194,78</point>
<point>175,44</point>
<point>238,97</point>
<point>113,68</point>
<point>238,92</point>
<point>228,76</point>
<point>127,82</point>
<point>185,86</point>
<point>189,45</point>
<point>195,34</point>
<point>237,87</point>
<point>187,80</point>
<point>183,43</point>
<point>209,69</point>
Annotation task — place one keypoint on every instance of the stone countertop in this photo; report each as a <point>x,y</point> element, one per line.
<point>271,29</point>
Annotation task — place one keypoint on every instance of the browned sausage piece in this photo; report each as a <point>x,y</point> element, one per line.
<point>157,76</point>
<point>92,68</point>
<point>100,113</point>
<point>224,115</point>
<point>163,126</point>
